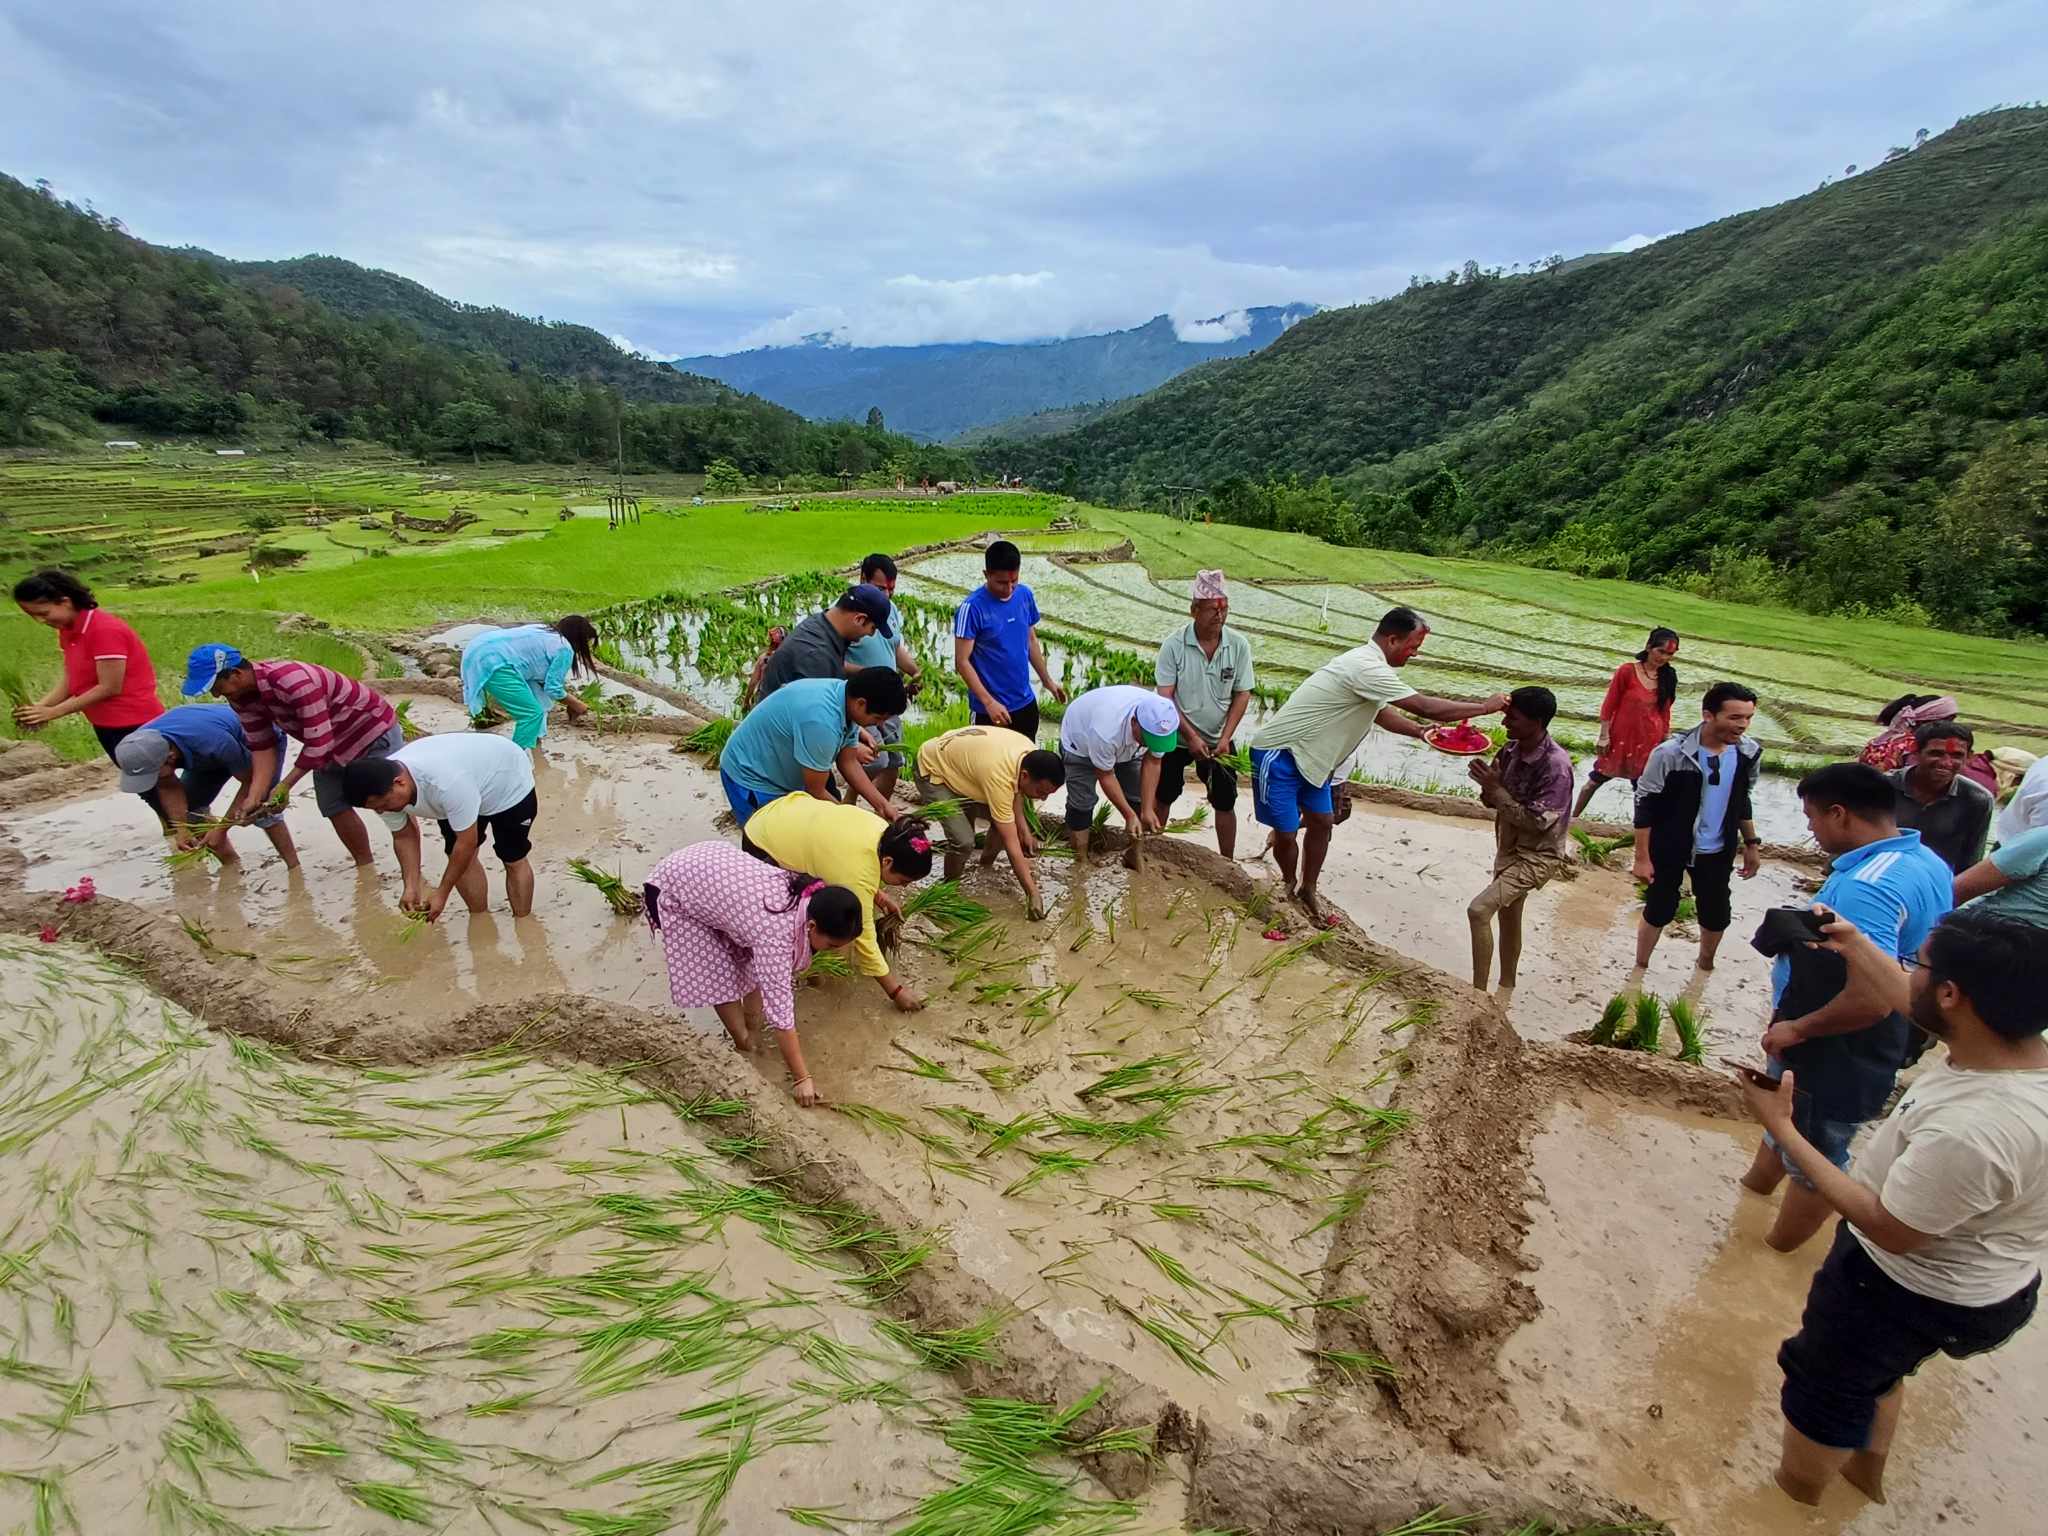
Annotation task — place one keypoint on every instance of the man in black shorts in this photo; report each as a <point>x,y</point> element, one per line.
<point>472,784</point>
<point>1945,1220</point>
<point>1692,815</point>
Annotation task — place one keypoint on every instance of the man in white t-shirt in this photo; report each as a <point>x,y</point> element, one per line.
<point>473,784</point>
<point>1297,751</point>
<point>1113,740</point>
<point>1946,1219</point>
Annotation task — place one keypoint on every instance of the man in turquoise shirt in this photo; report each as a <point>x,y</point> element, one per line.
<point>794,738</point>
<point>2013,882</point>
<point>874,651</point>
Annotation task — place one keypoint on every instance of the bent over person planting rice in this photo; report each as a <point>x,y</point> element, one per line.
<point>992,771</point>
<point>470,784</point>
<point>736,932</point>
<point>521,669</point>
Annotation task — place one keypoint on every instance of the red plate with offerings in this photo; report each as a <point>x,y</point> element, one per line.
<point>1462,740</point>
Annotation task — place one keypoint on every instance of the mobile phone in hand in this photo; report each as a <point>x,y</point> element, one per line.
<point>1750,1074</point>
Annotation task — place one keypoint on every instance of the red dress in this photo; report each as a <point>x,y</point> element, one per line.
<point>1636,722</point>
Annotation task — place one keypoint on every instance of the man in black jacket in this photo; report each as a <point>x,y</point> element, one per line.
<point>1693,815</point>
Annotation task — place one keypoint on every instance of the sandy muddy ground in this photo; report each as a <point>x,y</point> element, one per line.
<point>252,1292</point>
<point>1652,1366</point>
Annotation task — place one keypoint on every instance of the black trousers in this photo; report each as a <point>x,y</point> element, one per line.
<point>111,736</point>
<point>1023,721</point>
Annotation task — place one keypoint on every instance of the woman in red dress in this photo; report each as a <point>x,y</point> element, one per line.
<point>1636,714</point>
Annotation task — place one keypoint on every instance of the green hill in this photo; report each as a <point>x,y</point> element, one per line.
<point>557,349</point>
<point>1848,389</point>
<point>103,334</point>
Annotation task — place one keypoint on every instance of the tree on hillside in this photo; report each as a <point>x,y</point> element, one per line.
<point>722,477</point>
<point>1984,553</point>
<point>469,425</point>
<point>874,418</point>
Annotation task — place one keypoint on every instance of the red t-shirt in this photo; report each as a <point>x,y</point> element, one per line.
<point>98,636</point>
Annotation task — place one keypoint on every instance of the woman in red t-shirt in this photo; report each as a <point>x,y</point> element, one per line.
<point>1636,714</point>
<point>107,674</point>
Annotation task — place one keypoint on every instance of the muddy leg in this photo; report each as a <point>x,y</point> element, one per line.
<point>1865,1470</point>
<point>280,837</point>
<point>1482,945</point>
<point>1766,1170</point>
<point>1226,834</point>
<point>1511,941</point>
<point>1806,1467</point>
<point>733,1017</point>
<point>1647,936</point>
<point>1802,1214</point>
<point>519,886</point>
<point>1133,858</point>
<point>1315,846</point>
<point>1080,842</point>
<point>1284,847</point>
<point>955,864</point>
<point>474,888</point>
<point>1710,945</point>
<point>355,837</point>
<point>1585,797</point>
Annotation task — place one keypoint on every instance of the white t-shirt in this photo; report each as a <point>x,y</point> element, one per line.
<point>1965,1156</point>
<point>463,775</point>
<point>1323,721</point>
<point>1097,725</point>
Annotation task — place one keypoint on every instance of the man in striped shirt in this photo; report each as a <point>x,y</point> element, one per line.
<point>335,720</point>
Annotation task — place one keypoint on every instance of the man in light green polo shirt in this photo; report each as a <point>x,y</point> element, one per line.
<point>1205,667</point>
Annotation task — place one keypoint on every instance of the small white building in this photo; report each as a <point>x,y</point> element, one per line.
<point>229,453</point>
<point>122,442</point>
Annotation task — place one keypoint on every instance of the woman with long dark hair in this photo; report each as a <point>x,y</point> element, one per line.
<point>1636,714</point>
<point>107,676</point>
<point>520,669</point>
<point>851,846</point>
<point>737,932</point>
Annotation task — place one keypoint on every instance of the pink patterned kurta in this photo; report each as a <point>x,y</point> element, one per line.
<point>720,937</point>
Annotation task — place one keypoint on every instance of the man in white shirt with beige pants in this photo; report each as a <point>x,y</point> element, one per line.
<point>1946,1218</point>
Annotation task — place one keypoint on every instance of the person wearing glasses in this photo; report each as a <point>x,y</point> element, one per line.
<point>1692,815</point>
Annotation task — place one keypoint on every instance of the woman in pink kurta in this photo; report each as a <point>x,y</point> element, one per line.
<point>737,932</point>
<point>1636,714</point>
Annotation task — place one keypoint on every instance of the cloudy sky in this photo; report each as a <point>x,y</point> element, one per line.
<point>699,175</point>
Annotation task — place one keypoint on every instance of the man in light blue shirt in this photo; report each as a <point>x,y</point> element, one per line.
<point>874,650</point>
<point>794,738</point>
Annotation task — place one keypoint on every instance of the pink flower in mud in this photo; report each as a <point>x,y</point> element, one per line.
<point>1274,934</point>
<point>48,935</point>
<point>79,894</point>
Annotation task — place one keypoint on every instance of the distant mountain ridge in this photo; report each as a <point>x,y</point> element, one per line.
<point>556,348</point>
<point>946,389</point>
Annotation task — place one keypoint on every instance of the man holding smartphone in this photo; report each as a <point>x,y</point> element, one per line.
<point>1943,1228</point>
<point>1846,1054</point>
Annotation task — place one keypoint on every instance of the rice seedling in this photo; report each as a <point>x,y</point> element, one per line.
<point>1287,954</point>
<point>394,1501</point>
<point>710,739</point>
<point>179,860</point>
<point>1419,1017</point>
<point>921,1066</point>
<point>870,1118</point>
<point>1177,1344</point>
<point>1434,1522</point>
<point>202,935</point>
<point>1359,1362</point>
<point>1595,850</point>
<point>943,904</point>
<point>1191,823</point>
<point>622,899</point>
<point>1685,1020</point>
<point>830,965</point>
<point>818,1519</point>
<point>1609,1027</point>
<point>1173,1269</point>
<point>1648,1025</point>
<point>946,1349</point>
<point>1046,1165</point>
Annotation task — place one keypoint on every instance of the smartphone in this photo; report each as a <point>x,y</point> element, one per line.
<point>1750,1073</point>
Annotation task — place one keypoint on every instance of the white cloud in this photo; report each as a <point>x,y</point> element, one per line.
<point>1637,242</point>
<point>1223,328</point>
<point>649,353</point>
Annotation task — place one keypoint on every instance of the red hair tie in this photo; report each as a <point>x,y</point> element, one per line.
<point>813,888</point>
<point>920,845</point>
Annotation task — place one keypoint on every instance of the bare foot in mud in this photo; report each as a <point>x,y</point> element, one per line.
<point>1311,903</point>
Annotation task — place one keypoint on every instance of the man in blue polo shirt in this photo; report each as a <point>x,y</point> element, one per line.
<point>1844,1054</point>
<point>995,645</point>
<point>187,755</point>
<point>794,738</point>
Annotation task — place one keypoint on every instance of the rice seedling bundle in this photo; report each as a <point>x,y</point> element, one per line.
<point>412,926</point>
<point>621,898</point>
<point>1648,1025</point>
<point>1685,1020</point>
<point>710,739</point>
<point>942,903</point>
<point>1605,1032</point>
<point>1595,850</point>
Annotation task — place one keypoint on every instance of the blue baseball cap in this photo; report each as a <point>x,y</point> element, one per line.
<point>206,663</point>
<point>871,603</point>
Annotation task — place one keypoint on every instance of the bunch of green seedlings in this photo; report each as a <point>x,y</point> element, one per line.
<point>620,897</point>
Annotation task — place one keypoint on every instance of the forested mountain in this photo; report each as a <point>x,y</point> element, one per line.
<point>944,390</point>
<point>99,329</point>
<point>556,348</point>
<point>1849,388</point>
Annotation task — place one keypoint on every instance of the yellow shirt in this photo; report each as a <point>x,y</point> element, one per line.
<point>977,762</point>
<point>838,844</point>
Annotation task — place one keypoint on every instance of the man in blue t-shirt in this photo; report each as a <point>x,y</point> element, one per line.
<point>795,737</point>
<point>187,755</point>
<point>995,645</point>
<point>1844,1051</point>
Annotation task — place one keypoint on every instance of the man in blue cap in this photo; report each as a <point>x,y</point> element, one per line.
<point>187,755</point>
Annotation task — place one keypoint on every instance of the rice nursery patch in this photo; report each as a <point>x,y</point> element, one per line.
<point>251,1293</point>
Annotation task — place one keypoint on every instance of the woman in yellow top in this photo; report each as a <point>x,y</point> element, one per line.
<point>851,846</point>
<point>994,770</point>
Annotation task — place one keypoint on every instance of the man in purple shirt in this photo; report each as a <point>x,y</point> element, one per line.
<point>1529,788</point>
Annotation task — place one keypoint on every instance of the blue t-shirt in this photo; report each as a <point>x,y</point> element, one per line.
<point>873,650</point>
<point>1894,890</point>
<point>1710,832</point>
<point>208,737</point>
<point>800,725</point>
<point>1001,633</point>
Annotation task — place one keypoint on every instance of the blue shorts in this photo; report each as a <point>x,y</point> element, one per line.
<point>1830,1138</point>
<point>744,801</point>
<point>1280,794</point>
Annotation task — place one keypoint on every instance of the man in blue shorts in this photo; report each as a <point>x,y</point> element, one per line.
<point>1298,750</point>
<point>795,737</point>
<point>1845,1053</point>
<point>995,645</point>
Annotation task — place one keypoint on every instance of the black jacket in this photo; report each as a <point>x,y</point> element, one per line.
<point>1668,797</point>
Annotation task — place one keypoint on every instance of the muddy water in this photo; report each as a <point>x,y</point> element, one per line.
<point>1651,1369</point>
<point>247,1292</point>
<point>1406,878</point>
